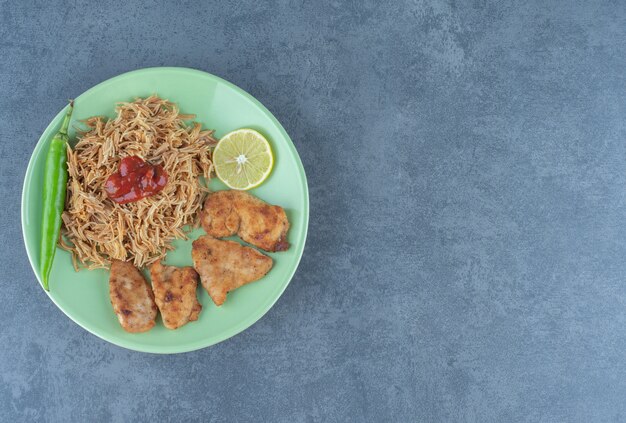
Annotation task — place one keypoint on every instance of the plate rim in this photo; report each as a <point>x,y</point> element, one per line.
<point>243,325</point>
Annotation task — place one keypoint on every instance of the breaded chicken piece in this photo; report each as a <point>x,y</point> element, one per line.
<point>226,265</point>
<point>232,212</point>
<point>175,294</point>
<point>131,297</point>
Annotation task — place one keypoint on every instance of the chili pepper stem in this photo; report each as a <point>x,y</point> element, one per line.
<point>66,120</point>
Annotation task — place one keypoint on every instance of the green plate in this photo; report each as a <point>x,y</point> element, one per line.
<point>84,296</point>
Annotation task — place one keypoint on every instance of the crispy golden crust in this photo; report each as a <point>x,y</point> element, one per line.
<point>175,294</point>
<point>131,297</point>
<point>226,265</point>
<point>232,212</point>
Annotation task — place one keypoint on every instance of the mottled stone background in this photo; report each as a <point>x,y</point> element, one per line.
<point>467,245</point>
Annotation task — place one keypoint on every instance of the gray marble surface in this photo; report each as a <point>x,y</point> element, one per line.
<point>465,259</point>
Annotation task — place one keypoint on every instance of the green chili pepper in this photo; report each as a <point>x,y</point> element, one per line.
<point>54,188</point>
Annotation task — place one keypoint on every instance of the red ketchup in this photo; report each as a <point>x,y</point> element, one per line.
<point>135,180</point>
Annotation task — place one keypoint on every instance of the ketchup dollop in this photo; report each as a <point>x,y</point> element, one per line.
<point>136,179</point>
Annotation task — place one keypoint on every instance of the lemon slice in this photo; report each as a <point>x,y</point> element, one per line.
<point>243,159</point>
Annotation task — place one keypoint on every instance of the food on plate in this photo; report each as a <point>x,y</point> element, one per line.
<point>135,183</point>
<point>98,230</point>
<point>243,159</point>
<point>131,297</point>
<point>175,294</point>
<point>226,265</point>
<point>54,189</point>
<point>135,180</point>
<point>232,212</point>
